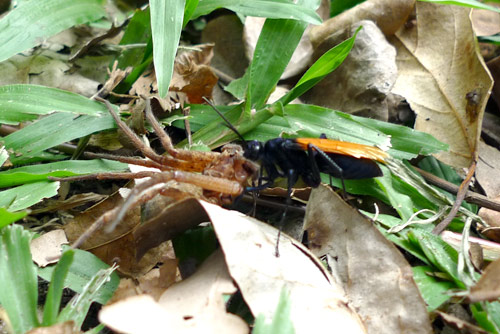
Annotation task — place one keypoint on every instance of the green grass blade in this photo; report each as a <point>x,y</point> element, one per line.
<point>33,173</point>
<point>138,31</point>
<point>84,266</point>
<point>281,323</point>
<point>277,42</point>
<point>189,10</point>
<point>18,281</point>
<point>19,103</point>
<point>326,64</point>
<point>432,289</point>
<point>24,196</point>
<point>7,217</point>
<point>276,9</point>
<point>53,301</point>
<point>465,3</point>
<point>53,130</point>
<point>166,25</point>
<point>33,21</point>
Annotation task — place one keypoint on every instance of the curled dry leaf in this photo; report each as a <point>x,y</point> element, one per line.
<point>317,303</point>
<point>361,84</point>
<point>378,281</point>
<point>443,78</point>
<point>389,15</point>
<point>47,248</point>
<point>485,22</point>
<point>488,170</point>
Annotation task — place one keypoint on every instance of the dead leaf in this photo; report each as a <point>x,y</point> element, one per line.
<point>388,15</point>
<point>378,280</point>
<point>66,327</point>
<point>361,84</point>
<point>488,286</point>
<point>488,170</point>
<point>189,306</point>
<point>193,74</point>
<point>443,78</point>
<point>249,247</point>
<point>47,248</point>
<point>459,323</point>
<point>485,22</point>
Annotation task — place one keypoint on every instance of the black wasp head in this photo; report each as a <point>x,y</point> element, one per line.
<point>253,150</point>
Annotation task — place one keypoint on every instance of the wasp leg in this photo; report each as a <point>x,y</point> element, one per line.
<point>314,165</point>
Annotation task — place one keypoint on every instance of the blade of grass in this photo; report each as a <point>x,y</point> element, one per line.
<point>276,9</point>
<point>166,25</point>
<point>24,196</point>
<point>7,217</point>
<point>53,130</point>
<point>325,65</point>
<point>19,103</point>
<point>18,287</point>
<point>28,174</point>
<point>465,3</point>
<point>53,301</point>
<point>31,22</point>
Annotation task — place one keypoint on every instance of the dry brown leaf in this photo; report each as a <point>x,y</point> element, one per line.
<point>193,74</point>
<point>249,246</point>
<point>361,84</point>
<point>47,248</point>
<point>485,22</point>
<point>488,170</point>
<point>443,78</point>
<point>460,323</point>
<point>488,286</point>
<point>389,15</point>
<point>191,306</point>
<point>60,328</point>
<point>378,280</point>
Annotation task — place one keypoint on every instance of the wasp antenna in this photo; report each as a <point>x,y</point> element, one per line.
<point>228,123</point>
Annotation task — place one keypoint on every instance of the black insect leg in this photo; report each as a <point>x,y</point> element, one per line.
<point>314,165</point>
<point>292,178</point>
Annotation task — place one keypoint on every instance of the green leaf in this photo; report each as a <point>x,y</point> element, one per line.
<point>24,196</point>
<point>432,289</point>
<point>166,25</point>
<point>19,103</point>
<point>325,65</point>
<point>53,130</point>
<point>53,301</point>
<point>276,9</point>
<point>84,266</point>
<point>31,22</point>
<point>33,173</point>
<point>78,307</point>
<point>138,31</point>
<point>439,253</point>
<point>7,217</point>
<point>281,323</point>
<point>277,42</point>
<point>465,3</point>
<point>18,282</point>
<point>189,10</point>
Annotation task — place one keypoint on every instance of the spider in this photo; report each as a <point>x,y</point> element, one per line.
<point>222,176</point>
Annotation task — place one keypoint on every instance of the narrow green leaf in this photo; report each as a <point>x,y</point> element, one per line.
<point>78,307</point>
<point>53,130</point>
<point>277,42</point>
<point>18,282</point>
<point>84,266</point>
<point>22,197</point>
<point>19,103</point>
<point>53,301</point>
<point>465,3</point>
<point>325,65</point>
<point>138,31</point>
<point>31,22</point>
<point>276,9</point>
<point>33,173</point>
<point>7,217</point>
<point>189,10</point>
<point>166,25</point>
<point>432,289</point>
<point>439,253</point>
<point>281,323</point>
